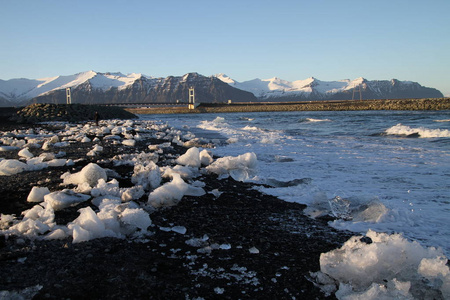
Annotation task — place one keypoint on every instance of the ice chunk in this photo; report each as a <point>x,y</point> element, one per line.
<point>56,234</point>
<point>184,171</point>
<point>146,175</point>
<point>133,193</point>
<point>6,220</point>
<point>12,166</point>
<point>95,150</point>
<point>36,163</point>
<point>89,226</point>
<point>191,158</point>
<point>37,194</point>
<point>253,250</point>
<point>79,234</point>
<point>90,174</point>
<point>25,153</point>
<point>375,212</point>
<point>46,156</point>
<point>340,208</point>
<point>106,188</point>
<point>216,193</point>
<point>194,191</point>
<point>205,158</point>
<point>179,229</point>
<point>385,266</point>
<point>65,198</point>
<point>170,193</point>
<point>36,221</point>
<point>57,162</point>
<point>240,168</point>
<point>136,217</point>
<point>129,142</point>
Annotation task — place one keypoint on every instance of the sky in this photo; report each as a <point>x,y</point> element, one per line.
<point>245,39</point>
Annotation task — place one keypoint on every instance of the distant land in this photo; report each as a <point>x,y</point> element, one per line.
<point>116,88</point>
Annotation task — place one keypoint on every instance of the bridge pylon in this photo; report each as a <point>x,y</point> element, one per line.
<point>191,103</point>
<point>68,96</point>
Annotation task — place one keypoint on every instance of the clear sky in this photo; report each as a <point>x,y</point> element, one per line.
<point>245,39</point>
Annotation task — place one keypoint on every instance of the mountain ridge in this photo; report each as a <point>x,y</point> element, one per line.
<point>91,87</point>
<point>276,88</point>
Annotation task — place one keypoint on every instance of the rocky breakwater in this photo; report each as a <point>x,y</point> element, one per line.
<point>44,112</point>
<point>336,105</point>
<point>343,105</point>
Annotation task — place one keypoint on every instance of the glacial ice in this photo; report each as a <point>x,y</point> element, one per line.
<point>146,175</point>
<point>12,166</point>
<point>168,194</point>
<point>61,199</point>
<point>191,158</point>
<point>386,266</point>
<point>37,194</point>
<point>240,168</point>
<point>89,174</point>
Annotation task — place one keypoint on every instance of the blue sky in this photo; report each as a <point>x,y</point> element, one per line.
<point>245,39</point>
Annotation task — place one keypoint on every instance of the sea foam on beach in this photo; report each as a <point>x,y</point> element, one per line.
<point>384,172</point>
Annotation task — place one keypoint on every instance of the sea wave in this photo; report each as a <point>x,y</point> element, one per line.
<point>422,132</point>
<point>312,120</point>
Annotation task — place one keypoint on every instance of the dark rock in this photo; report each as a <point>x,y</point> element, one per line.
<point>45,112</point>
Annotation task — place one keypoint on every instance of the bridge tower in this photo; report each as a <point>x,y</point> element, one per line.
<point>68,96</point>
<point>358,87</point>
<point>191,104</point>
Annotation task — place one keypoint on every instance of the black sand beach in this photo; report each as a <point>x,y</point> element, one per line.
<point>164,266</point>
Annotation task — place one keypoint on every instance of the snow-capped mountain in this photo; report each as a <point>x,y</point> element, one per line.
<point>276,89</point>
<point>19,90</point>
<point>94,87</point>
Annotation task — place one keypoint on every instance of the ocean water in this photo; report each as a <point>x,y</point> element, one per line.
<point>388,171</point>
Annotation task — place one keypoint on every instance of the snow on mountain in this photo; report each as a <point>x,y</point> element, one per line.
<point>116,87</point>
<point>225,78</point>
<point>18,90</point>
<point>276,87</point>
<point>117,80</point>
<point>314,89</point>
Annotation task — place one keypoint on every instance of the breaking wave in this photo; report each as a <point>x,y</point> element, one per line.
<point>421,132</point>
<point>312,120</point>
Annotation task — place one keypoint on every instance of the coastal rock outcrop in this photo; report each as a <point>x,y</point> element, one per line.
<point>42,112</point>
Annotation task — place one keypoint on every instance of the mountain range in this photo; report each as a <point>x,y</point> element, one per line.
<point>94,88</point>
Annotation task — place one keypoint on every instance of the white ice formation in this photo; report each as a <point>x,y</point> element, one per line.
<point>115,211</point>
<point>383,266</point>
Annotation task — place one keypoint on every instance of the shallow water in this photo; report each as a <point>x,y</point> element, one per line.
<point>393,167</point>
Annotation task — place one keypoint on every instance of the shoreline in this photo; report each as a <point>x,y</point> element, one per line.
<point>341,105</point>
<point>288,243</point>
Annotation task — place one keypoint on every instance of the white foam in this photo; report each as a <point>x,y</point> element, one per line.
<point>404,130</point>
